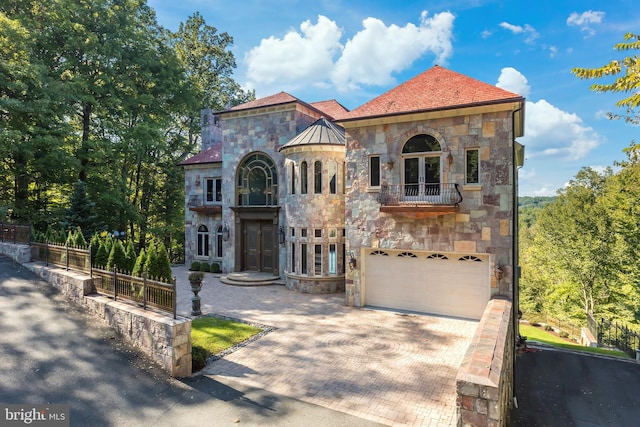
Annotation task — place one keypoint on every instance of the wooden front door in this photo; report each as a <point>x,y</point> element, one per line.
<point>258,246</point>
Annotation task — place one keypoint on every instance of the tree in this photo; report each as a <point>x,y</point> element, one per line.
<point>578,244</point>
<point>139,268</point>
<point>117,257</point>
<point>102,255</point>
<point>627,73</point>
<point>164,265</point>
<point>131,255</point>
<point>81,212</point>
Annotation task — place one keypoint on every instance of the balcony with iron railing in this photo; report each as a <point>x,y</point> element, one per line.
<point>198,203</point>
<point>420,200</point>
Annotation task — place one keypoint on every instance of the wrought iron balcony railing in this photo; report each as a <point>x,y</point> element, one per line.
<point>420,194</point>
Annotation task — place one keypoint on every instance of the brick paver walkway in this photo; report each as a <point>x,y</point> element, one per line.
<point>392,368</point>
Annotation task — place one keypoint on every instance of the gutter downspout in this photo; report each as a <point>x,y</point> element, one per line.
<point>514,256</point>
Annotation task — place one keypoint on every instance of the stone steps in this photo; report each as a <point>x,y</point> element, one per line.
<point>251,278</point>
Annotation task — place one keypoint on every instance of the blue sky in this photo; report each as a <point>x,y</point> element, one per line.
<point>354,50</point>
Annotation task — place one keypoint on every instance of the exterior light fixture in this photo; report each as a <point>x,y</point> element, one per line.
<point>499,273</point>
<point>225,232</point>
<point>450,159</point>
<point>281,235</point>
<point>352,261</point>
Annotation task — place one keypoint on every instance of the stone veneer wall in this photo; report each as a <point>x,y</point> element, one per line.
<point>166,340</point>
<point>18,253</point>
<point>483,223</point>
<point>484,383</point>
<point>247,131</point>
<point>195,186</point>
<point>311,211</point>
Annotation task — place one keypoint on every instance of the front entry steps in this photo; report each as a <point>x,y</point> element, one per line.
<point>251,278</point>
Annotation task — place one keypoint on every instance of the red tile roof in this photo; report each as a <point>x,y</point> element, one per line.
<point>331,108</point>
<point>435,89</point>
<point>212,154</point>
<point>278,98</point>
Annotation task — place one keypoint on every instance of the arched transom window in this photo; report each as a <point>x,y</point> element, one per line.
<point>257,181</point>
<point>421,166</point>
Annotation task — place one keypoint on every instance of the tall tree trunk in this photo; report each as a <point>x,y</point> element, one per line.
<point>83,151</point>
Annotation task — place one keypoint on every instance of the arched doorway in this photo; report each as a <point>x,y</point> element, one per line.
<point>257,247</point>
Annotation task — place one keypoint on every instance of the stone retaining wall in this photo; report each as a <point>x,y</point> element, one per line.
<point>164,339</point>
<point>485,379</point>
<point>18,253</point>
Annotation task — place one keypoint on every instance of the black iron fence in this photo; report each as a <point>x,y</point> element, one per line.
<point>14,233</point>
<point>69,257</point>
<point>141,290</point>
<point>613,334</point>
<point>420,194</point>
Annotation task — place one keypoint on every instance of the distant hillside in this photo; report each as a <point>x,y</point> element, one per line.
<point>529,207</point>
<point>534,202</point>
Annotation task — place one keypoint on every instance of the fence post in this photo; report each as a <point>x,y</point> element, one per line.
<point>14,233</point>
<point>115,282</point>
<point>144,290</point>
<point>46,252</point>
<point>90,263</point>
<point>175,296</point>
<point>66,253</point>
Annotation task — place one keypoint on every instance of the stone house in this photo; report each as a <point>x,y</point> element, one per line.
<point>407,202</point>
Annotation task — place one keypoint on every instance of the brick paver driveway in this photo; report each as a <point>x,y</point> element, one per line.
<point>392,368</point>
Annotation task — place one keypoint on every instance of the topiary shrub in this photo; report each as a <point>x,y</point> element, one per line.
<point>204,266</point>
<point>195,266</point>
<point>215,267</point>
<point>198,358</point>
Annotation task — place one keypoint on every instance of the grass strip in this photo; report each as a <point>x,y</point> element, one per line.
<point>536,334</point>
<point>217,335</point>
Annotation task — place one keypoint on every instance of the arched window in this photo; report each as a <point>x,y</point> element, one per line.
<point>203,241</point>
<point>257,181</point>
<point>317,177</point>
<point>333,177</point>
<point>293,178</point>
<point>303,178</point>
<point>421,166</point>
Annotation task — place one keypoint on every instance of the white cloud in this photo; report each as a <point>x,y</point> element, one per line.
<point>377,51</point>
<point>588,17</point>
<point>553,51</point>
<point>528,30</point>
<point>514,81</point>
<point>550,131</point>
<point>315,56</point>
<point>584,20</point>
<point>299,58</point>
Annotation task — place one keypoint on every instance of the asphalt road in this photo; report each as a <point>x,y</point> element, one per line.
<point>556,388</point>
<point>52,353</point>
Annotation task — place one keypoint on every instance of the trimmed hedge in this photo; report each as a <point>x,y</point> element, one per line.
<point>195,266</point>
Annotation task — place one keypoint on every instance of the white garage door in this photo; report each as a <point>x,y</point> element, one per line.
<point>447,284</point>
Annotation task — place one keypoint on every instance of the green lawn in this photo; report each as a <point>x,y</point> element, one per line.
<point>210,335</point>
<point>537,334</point>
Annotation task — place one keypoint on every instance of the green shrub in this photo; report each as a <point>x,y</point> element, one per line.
<point>564,334</point>
<point>195,266</point>
<point>205,267</point>
<point>215,267</point>
<point>534,324</point>
<point>548,328</point>
<point>198,358</point>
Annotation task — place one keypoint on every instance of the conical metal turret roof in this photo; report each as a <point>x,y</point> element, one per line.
<point>322,131</point>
